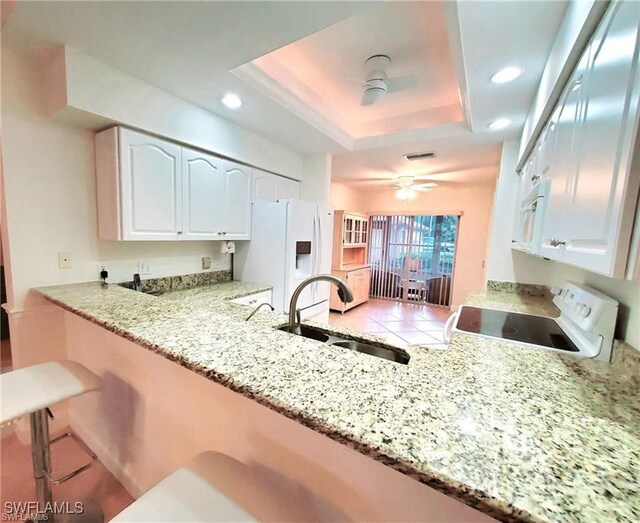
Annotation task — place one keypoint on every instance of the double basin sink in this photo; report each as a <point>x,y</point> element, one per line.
<point>396,356</point>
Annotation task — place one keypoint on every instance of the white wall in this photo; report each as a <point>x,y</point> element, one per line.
<point>347,198</point>
<point>504,264</point>
<point>316,180</point>
<point>78,85</point>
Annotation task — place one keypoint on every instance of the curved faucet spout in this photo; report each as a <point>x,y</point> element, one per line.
<point>344,293</point>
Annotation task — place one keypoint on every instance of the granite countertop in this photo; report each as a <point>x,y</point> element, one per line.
<point>520,434</point>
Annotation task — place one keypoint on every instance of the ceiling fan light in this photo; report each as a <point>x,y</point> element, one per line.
<point>406,193</point>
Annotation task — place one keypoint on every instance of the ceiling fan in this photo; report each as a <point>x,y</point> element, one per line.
<point>407,189</point>
<point>377,84</point>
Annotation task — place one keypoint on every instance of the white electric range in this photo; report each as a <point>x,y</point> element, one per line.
<point>584,328</point>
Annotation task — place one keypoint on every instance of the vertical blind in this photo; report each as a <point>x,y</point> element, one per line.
<point>412,257</point>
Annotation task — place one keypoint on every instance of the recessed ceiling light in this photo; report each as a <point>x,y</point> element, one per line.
<point>500,123</point>
<point>507,74</point>
<point>231,100</point>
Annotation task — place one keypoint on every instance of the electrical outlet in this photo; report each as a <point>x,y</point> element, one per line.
<point>206,263</point>
<point>228,247</point>
<point>64,260</point>
<point>144,267</point>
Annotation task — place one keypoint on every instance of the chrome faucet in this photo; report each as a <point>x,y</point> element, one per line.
<point>258,308</point>
<point>344,293</point>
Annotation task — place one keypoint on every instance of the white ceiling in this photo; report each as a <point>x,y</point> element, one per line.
<point>327,70</point>
<point>468,159</point>
<point>189,49</point>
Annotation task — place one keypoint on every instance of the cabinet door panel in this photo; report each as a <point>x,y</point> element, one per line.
<point>265,187</point>
<point>204,189</point>
<point>287,189</point>
<point>151,188</point>
<point>593,213</point>
<point>563,168</point>
<point>238,195</point>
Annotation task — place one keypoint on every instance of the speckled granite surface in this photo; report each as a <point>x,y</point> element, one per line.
<point>521,434</point>
<point>530,289</point>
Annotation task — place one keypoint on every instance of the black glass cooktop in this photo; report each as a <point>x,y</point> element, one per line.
<point>515,326</point>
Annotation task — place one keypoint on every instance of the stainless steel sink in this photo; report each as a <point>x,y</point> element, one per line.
<point>379,352</point>
<point>395,355</point>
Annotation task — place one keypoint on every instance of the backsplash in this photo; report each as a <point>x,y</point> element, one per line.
<point>177,283</point>
<point>161,267</point>
<point>528,289</point>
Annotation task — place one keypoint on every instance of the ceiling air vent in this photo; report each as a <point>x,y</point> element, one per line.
<point>420,156</point>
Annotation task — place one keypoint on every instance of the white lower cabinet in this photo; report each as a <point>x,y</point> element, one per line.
<point>594,186</point>
<point>270,188</point>
<point>153,189</point>
<point>255,299</point>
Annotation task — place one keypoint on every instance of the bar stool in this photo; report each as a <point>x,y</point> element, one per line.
<point>32,390</point>
<point>214,487</point>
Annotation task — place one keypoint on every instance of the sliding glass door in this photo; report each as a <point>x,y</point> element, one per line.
<point>412,257</point>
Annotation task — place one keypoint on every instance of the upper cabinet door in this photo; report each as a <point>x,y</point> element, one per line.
<point>151,188</point>
<point>564,164</point>
<point>204,186</point>
<point>239,184</point>
<point>287,189</point>
<point>265,187</point>
<point>270,188</point>
<point>598,225</point>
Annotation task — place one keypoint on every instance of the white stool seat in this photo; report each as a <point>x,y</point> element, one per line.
<point>214,487</point>
<point>27,390</point>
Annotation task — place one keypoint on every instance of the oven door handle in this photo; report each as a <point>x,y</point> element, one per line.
<point>448,327</point>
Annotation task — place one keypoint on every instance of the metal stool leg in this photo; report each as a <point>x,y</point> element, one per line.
<point>41,460</point>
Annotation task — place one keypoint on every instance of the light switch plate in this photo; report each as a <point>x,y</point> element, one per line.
<point>64,260</point>
<point>206,263</point>
<point>144,267</point>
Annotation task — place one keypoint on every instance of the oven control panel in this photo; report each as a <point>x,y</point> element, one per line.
<point>582,304</point>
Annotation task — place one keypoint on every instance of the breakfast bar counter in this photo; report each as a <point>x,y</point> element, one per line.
<point>518,434</point>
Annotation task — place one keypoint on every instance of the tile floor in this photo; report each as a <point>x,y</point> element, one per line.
<point>398,322</point>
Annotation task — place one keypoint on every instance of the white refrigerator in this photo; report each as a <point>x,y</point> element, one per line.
<point>290,241</point>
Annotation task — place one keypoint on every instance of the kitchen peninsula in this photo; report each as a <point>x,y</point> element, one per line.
<point>517,434</point>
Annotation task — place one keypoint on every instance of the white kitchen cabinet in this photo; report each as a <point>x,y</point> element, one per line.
<point>268,187</point>
<point>603,193</point>
<point>153,189</point>
<point>594,190</point>
<point>255,299</point>
<point>204,195</point>
<point>139,186</point>
<point>238,184</point>
<point>563,165</point>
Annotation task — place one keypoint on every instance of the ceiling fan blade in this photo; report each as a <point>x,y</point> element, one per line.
<point>371,95</point>
<point>402,83</point>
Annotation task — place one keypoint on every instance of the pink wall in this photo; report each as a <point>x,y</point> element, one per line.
<point>474,202</point>
<point>345,198</point>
